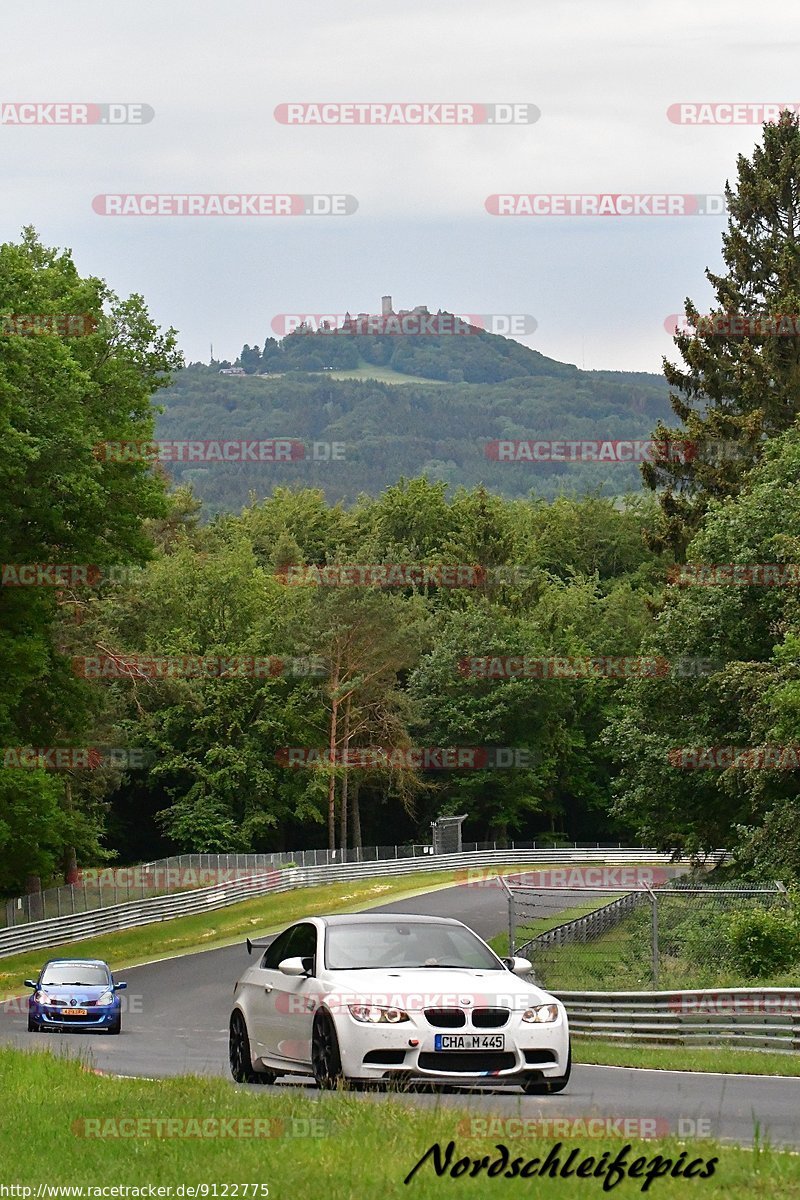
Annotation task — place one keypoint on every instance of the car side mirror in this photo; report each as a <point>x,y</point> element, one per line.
<point>30,983</point>
<point>519,966</point>
<point>120,987</point>
<point>294,966</point>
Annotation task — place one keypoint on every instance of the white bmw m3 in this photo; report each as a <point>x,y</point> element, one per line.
<point>373,997</point>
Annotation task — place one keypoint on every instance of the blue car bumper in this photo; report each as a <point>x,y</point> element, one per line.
<point>53,1016</point>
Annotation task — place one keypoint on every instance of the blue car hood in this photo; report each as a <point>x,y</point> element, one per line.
<point>78,994</point>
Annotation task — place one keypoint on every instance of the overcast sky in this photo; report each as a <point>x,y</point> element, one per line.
<point>602,74</point>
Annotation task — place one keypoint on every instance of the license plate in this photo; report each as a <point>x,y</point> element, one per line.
<point>74,1012</point>
<point>469,1041</point>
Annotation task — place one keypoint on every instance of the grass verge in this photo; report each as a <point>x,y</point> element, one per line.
<point>684,1058</point>
<point>531,928</point>
<point>84,1130</point>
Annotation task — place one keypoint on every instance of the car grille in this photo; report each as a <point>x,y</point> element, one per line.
<point>490,1018</point>
<point>69,1004</point>
<point>446,1018</point>
<point>471,1062</point>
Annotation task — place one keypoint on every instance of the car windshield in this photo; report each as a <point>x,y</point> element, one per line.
<point>77,974</point>
<point>405,944</point>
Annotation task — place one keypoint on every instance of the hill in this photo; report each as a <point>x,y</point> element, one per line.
<point>406,405</point>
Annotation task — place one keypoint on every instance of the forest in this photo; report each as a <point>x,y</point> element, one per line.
<point>316,664</point>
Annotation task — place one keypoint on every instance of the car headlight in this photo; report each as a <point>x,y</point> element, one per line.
<point>42,998</point>
<point>106,998</point>
<point>373,1014</point>
<point>540,1013</point>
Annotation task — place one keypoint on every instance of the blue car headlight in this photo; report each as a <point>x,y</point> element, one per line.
<point>106,999</point>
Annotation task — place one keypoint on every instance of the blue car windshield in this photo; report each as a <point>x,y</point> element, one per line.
<point>418,944</point>
<point>77,974</point>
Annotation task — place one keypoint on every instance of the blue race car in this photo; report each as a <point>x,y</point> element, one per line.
<point>75,993</point>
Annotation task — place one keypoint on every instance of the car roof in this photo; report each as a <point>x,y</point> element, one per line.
<point>386,919</point>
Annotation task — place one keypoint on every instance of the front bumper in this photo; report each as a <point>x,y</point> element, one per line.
<point>52,1016</point>
<point>382,1051</point>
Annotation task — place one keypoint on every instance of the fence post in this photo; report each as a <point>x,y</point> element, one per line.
<point>654,930</point>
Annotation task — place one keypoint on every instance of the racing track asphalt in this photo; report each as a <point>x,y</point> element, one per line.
<point>178,1016</point>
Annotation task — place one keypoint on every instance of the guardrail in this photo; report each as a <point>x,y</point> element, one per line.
<point>581,929</point>
<point>75,927</point>
<point>101,887</point>
<point>764,1019</point>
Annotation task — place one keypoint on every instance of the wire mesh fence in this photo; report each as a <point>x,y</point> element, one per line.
<point>108,885</point>
<point>677,936</point>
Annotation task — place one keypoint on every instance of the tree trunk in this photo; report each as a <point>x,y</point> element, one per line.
<point>356,814</point>
<point>331,765</point>
<point>70,859</point>
<point>345,780</point>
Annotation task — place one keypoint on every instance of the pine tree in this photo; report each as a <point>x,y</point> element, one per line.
<point>740,380</point>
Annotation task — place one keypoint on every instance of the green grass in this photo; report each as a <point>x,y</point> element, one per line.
<point>532,928</point>
<point>685,1058</point>
<point>621,959</point>
<point>357,1148</point>
<point>382,375</point>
